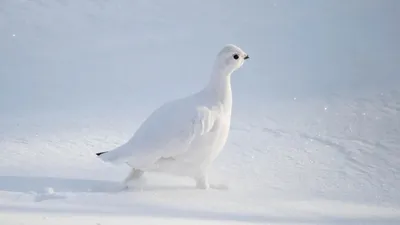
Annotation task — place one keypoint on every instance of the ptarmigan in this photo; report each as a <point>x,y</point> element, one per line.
<point>183,137</point>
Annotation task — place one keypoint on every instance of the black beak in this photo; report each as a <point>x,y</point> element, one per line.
<point>246,57</point>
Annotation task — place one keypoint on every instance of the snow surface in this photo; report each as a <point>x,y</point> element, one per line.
<point>315,140</point>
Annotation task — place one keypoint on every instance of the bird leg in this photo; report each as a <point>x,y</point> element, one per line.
<point>202,182</point>
<point>135,174</point>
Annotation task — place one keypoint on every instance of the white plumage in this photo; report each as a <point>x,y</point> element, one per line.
<point>184,136</point>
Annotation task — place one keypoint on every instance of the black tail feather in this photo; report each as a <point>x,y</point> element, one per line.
<point>100,153</point>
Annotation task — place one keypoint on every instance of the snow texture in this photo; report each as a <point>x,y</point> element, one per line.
<point>315,128</point>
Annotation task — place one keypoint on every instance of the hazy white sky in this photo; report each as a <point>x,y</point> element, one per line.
<point>70,53</point>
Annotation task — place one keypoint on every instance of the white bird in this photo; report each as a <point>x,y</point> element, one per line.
<point>184,136</point>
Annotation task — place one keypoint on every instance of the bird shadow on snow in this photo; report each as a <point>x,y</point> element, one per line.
<point>46,188</point>
<point>151,210</point>
<point>51,187</point>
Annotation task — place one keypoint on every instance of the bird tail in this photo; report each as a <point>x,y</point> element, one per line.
<point>111,156</point>
<point>105,156</point>
<point>101,153</point>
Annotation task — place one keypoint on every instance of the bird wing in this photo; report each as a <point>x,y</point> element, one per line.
<point>167,133</point>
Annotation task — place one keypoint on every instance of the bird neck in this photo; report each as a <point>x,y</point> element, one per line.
<point>220,85</point>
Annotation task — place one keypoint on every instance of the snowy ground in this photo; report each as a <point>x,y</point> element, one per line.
<point>338,165</point>
<point>316,140</point>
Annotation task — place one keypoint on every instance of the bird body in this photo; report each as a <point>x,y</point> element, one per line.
<point>184,136</point>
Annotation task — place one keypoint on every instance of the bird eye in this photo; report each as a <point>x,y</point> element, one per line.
<point>235,56</point>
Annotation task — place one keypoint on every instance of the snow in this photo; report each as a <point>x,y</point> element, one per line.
<point>315,140</point>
